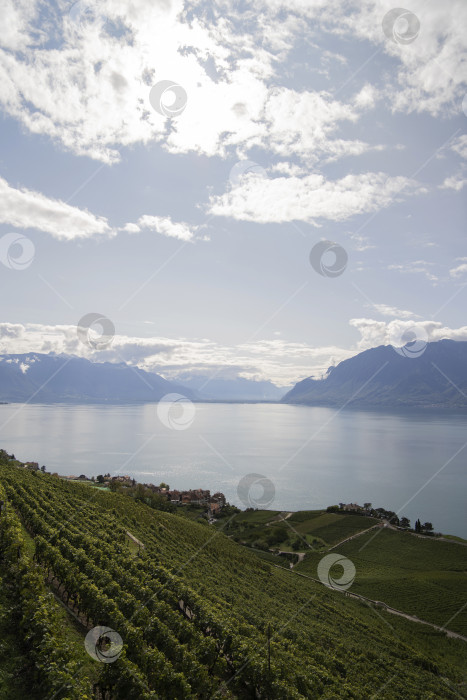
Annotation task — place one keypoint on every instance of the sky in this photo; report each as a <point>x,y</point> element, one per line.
<point>255,189</point>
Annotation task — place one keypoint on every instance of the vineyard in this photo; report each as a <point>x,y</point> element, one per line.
<point>422,577</point>
<point>200,616</point>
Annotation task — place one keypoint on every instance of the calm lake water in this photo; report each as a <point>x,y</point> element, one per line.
<point>313,456</point>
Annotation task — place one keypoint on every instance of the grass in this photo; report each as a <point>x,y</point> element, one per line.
<point>316,529</point>
<point>256,517</point>
<point>332,528</point>
<point>422,577</point>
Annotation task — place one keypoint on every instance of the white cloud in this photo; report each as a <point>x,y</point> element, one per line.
<point>374,333</point>
<point>418,267</point>
<point>25,209</point>
<point>454,182</point>
<point>386,310</point>
<point>16,19</point>
<point>93,93</point>
<point>309,198</point>
<point>428,72</point>
<point>276,360</point>
<point>165,226</point>
<point>460,269</point>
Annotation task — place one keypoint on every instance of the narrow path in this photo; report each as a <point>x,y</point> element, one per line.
<point>300,555</point>
<point>283,515</point>
<point>134,539</point>
<point>381,604</point>
<point>386,524</point>
<point>357,534</point>
<point>434,539</point>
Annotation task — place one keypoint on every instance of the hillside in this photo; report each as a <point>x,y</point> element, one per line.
<point>381,377</point>
<point>193,608</point>
<point>65,378</point>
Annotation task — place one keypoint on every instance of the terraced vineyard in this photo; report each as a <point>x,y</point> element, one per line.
<point>199,615</point>
<point>420,576</point>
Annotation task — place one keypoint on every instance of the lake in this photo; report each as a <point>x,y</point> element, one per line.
<point>313,457</point>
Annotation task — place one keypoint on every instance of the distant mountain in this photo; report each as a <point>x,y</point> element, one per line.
<point>64,378</point>
<point>436,378</point>
<point>237,389</point>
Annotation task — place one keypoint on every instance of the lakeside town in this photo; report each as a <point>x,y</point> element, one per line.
<point>214,504</point>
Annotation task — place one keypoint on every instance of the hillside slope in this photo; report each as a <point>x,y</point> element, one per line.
<point>382,377</point>
<point>195,610</point>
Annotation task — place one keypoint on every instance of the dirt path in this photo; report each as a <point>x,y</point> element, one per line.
<point>387,524</point>
<point>357,534</point>
<point>384,606</point>
<point>283,515</point>
<point>435,539</point>
<point>300,555</point>
<point>134,539</point>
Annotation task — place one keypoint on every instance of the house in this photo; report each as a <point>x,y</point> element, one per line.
<point>34,466</point>
<point>219,498</point>
<point>122,479</point>
<point>352,507</point>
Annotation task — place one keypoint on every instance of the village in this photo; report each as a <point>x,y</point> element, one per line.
<point>191,497</point>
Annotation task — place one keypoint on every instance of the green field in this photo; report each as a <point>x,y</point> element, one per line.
<point>213,644</point>
<point>331,527</point>
<point>302,531</point>
<point>420,576</point>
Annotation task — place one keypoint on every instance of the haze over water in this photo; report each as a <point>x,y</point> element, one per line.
<point>314,456</point>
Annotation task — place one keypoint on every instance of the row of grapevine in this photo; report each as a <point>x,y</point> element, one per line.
<point>200,616</point>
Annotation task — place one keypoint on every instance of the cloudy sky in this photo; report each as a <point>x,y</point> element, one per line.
<point>258,188</point>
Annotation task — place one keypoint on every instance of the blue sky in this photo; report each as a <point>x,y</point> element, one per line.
<point>297,122</point>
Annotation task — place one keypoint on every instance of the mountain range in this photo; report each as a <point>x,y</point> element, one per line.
<point>65,378</point>
<point>433,377</point>
<point>213,388</point>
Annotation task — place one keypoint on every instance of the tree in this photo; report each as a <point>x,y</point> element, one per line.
<point>100,479</point>
<point>367,506</point>
<point>418,525</point>
<point>163,485</point>
<point>405,522</point>
<point>428,527</point>
<point>43,469</point>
